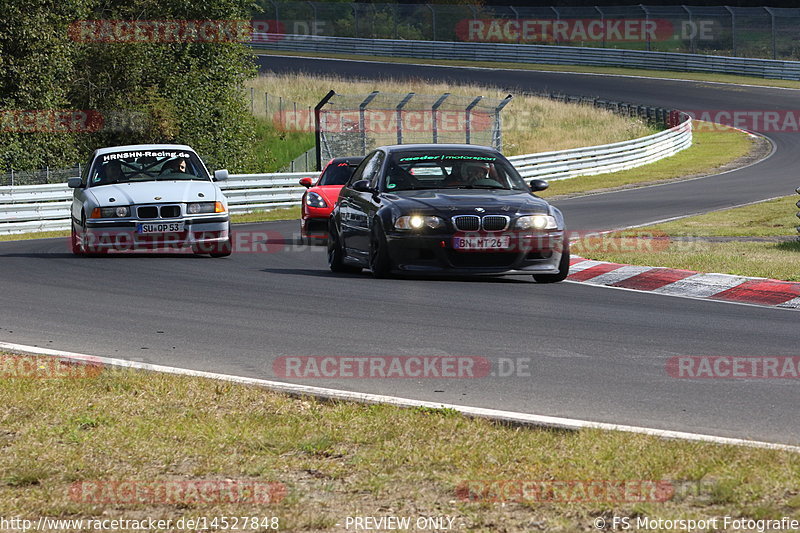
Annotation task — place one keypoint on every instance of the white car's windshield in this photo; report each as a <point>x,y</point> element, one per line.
<point>157,165</point>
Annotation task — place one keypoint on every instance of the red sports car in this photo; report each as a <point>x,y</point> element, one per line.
<point>319,199</point>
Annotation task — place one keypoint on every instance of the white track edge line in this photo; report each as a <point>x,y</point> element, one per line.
<point>479,412</point>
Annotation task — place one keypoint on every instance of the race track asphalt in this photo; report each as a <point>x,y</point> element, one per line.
<point>595,353</point>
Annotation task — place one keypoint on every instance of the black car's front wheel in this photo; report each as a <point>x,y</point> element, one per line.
<point>563,268</point>
<point>379,262</point>
<point>336,254</point>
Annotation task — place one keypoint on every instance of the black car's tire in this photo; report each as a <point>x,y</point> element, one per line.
<point>336,255</point>
<point>75,242</point>
<point>379,262</point>
<point>563,268</point>
<point>223,249</point>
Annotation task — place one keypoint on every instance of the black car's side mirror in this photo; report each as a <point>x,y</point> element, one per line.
<point>362,186</point>
<point>539,185</point>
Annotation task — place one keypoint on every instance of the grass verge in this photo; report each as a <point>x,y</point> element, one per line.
<point>530,124</point>
<point>276,148</point>
<point>694,76</point>
<point>340,459</point>
<point>757,240</point>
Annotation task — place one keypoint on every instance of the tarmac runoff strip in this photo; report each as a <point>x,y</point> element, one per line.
<point>292,389</point>
<point>687,283</point>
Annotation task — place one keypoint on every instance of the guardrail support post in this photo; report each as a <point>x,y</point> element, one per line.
<point>468,118</point>
<point>434,113</point>
<point>362,126</point>
<point>647,24</point>
<point>399,111</point>
<point>317,129</point>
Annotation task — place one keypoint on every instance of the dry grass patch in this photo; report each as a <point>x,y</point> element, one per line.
<point>341,459</point>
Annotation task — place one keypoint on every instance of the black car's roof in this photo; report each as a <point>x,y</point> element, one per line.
<point>437,148</point>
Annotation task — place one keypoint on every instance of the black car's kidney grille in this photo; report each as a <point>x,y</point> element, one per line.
<point>475,223</point>
<point>148,211</point>
<point>495,222</point>
<point>467,222</point>
<point>170,211</point>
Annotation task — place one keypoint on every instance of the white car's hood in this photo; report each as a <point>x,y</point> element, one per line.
<point>155,192</point>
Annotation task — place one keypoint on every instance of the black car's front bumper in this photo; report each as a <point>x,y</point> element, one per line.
<point>529,253</point>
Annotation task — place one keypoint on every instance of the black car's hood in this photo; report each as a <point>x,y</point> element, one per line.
<point>458,201</point>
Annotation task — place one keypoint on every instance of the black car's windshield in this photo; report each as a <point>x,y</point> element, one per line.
<point>146,165</point>
<point>337,173</point>
<point>450,169</point>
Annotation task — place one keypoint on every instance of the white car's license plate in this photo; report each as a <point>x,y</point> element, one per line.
<point>159,227</point>
<point>501,242</point>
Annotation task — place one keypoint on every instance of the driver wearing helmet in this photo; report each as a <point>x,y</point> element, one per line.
<point>469,173</point>
<point>475,171</point>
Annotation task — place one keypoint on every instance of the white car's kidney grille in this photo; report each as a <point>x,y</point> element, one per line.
<point>148,211</point>
<point>154,211</point>
<point>170,211</point>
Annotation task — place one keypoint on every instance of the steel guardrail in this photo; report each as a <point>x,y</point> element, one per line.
<point>29,208</point>
<point>530,53</point>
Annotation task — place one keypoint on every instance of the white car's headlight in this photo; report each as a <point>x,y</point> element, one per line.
<point>201,207</point>
<point>418,222</point>
<point>315,200</point>
<point>537,222</point>
<point>119,211</point>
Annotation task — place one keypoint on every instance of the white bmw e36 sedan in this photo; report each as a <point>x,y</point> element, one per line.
<point>149,196</point>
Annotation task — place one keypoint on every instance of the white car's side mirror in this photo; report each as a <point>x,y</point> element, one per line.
<point>74,183</point>
<point>220,175</point>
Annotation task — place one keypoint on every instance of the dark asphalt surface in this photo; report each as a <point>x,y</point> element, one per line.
<point>595,353</point>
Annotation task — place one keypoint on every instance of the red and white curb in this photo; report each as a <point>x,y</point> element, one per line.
<point>687,283</point>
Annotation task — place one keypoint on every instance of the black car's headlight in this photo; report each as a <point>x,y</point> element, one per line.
<point>119,211</point>
<point>418,222</point>
<point>537,222</point>
<point>195,208</point>
<point>315,200</point>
